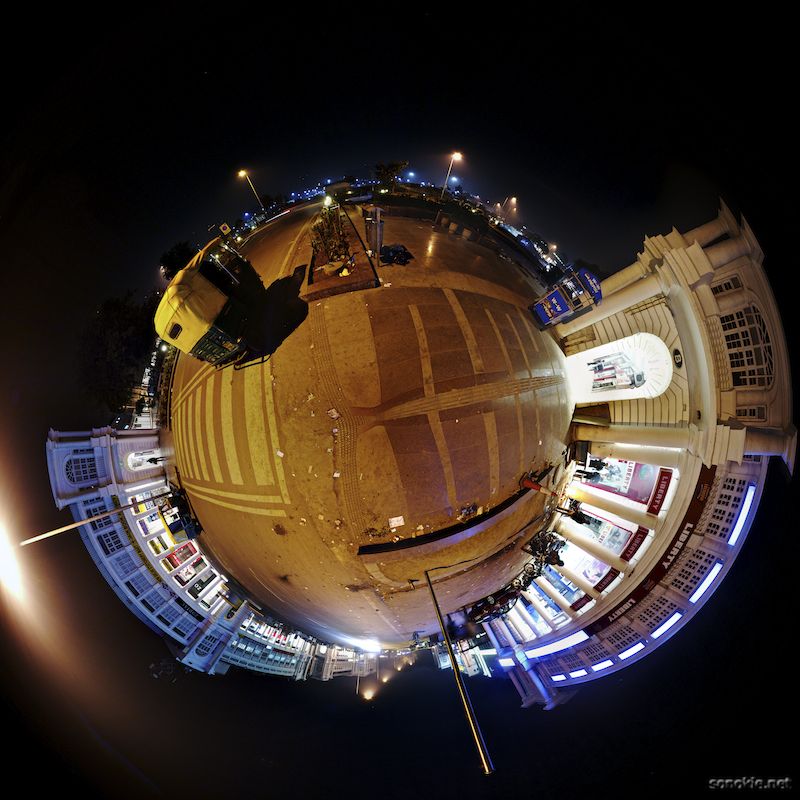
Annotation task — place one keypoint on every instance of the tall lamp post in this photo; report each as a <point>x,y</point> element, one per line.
<point>243,174</point>
<point>454,157</point>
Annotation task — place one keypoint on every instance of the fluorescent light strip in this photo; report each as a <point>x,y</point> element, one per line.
<point>631,651</point>
<point>742,518</point>
<point>559,678</point>
<point>579,673</point>
<point>602,665</point>
<point>489,651</point>
<point>506,662</point>
<point>665,626</point>
<point>554,647</point>
<point>707,581</point>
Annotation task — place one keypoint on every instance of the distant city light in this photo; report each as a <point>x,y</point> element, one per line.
<point>742,518</point>
<point>707,581</point>
<point>664,627</point>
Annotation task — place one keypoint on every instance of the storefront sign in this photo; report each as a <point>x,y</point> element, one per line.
<point>660,492</point>
<point>551,307</point>
<point>606,580</point>
<point>689,522</point>
<point>634,543</point>
<point>591,283</point>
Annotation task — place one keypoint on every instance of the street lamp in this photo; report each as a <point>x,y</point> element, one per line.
<point>454,157</point>
<point>243,174</point>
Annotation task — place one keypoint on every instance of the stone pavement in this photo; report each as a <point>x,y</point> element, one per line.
<point>412,400</point>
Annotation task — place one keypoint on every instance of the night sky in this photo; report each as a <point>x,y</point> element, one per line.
<point>114,147</point>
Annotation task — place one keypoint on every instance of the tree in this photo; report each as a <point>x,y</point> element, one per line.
<point>267,200</point>
<point>176,258</point>
<point>387,173</point>
<point>115,348</point>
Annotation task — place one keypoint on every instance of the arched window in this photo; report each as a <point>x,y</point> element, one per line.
<point>81,469</point>
<point>626,369</point>
<point>749,347</point>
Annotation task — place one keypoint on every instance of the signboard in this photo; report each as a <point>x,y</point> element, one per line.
<point>591,283</point>
<point>642,483</point>
<point>225,229</point>
<point>684,531</point>
<point>551,307</point>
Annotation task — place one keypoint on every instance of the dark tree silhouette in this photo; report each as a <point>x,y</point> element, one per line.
<point>176,258</point>
<point>115,347</point>
<point>387,173</point>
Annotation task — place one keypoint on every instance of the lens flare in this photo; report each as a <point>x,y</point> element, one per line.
<point>10,575</point>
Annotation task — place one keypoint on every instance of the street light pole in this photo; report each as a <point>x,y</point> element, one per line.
<point>243,174</point>
<point>85,521</point>
<point>486,761</point>
<point>454,157</point>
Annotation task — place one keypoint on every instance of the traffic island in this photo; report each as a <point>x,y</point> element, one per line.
<point>340,262</point>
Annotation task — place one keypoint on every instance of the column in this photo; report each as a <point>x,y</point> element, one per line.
<point>648,435</point>
<point>505,630</point>
<point>623,277</point>
<point>634,293</point>
<point>581,583</point>
<point>705,234</point>
<point>772,442</point>
<point>526,615</point>
<point>607,502</point>
<point>520,625</point>
<point>560,601</point>
<point>644,454</point>
<point>487,626</point>
<point>540,609</point>
<point>578,535</point>
<point>727,251</point>
<point>516,632</point>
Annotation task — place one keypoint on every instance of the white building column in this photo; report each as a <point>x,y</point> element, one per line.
<point>579,535</point>
<point>605,501</point>
<point>726,251</point>
<point>487,626</point>
<point>526,615</point>
<point>540,609</point>
<point>647,435</point>
<point>707,233</point>
<point>558,599</point>
<point>772,442</point>
<point>634,293</point>
<point>505,630</point>
<point>580,582</point>
<point>643,454</point>
<point>520,623</point>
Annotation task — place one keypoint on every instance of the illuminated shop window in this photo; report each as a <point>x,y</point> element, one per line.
<point>626,369</point>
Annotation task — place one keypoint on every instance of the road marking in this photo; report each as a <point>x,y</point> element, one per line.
<point>273,431</point>
<point>198,437</point>
<point>201,494</point>
<point>211,438</point>
<point>214,492</point>
<point>188,388</point>
<point>466,330</point>
<point>290,253</point>
<point>226,417</point>
<point>187,425</point>
<point>490,424</point>
<point>257,441</point>
<point>519,342</point>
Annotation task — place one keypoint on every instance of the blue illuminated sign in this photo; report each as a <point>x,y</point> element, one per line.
<point>551,307</point>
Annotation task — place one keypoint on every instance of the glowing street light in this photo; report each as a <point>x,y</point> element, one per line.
<point>455,157</point>
<point>243,174</point>
<point>10,576</point>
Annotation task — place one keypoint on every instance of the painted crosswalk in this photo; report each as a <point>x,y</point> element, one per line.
<point>226,440</point>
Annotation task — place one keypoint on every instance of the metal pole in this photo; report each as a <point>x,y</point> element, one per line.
<point>448,177</point>
<point>84,521</point>
<point>486,760</point>
<point>255,192</point>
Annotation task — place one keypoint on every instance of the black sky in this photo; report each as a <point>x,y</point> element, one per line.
<point>115,146</point>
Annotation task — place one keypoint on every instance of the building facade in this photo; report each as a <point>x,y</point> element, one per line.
<point>682,386</point>
<point>163,576</point>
